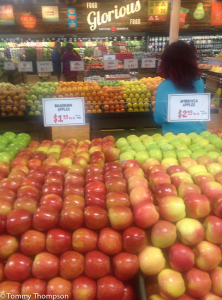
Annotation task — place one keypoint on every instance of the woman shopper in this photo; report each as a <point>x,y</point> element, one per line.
<point>70,55</point>
<point>179,68</point>
<point>56,59</point>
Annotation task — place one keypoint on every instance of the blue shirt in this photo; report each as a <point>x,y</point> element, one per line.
<point>165,88</point>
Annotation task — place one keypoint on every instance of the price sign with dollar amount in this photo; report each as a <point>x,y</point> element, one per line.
<point>110,64</point>
<point>9,65</point>
<point>25,66</point>
<point>188,107</point>
<point>63,111</point>
<point>149,63</point>
<point>77,66</point>
<point>131,63</point>
<point>44,66</point>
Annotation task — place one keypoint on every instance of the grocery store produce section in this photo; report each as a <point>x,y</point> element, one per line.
<point>82,218</point>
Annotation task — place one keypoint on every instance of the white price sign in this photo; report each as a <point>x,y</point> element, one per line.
<point>77,66</point>
<point>109,57</point>
<point>188,107</point>
<point>131,63</point>
<point>110,64</point>
<point>25,66</point>
<point>63,111</point>
<point>9,65</point>
<point>148,63</point>
<point>44,66</point>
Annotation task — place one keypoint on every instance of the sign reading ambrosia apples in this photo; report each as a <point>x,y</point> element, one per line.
<point>216,13</point>
<point>28,21</point>
<point>157,11</point>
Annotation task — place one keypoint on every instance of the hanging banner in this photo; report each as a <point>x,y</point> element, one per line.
<point>28,21</point>
<point>6,15</point>
<point>50,14</point>
<point>72,17</point>
<point>216,14</point>
<point>157,11</point>
<point>183,15</point>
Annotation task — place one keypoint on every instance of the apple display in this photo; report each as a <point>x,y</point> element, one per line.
<point>171,284</point>
<point>151,260</point>
<point>84,240</point>
<point>5,207</point>
<point>190,231</point>
<point>213,230</point>
<point>211,189</point>
<point>8,245</point>
<point>45,218</point>
<point>32,242</point>
<point>133,171</point>
<point>71,264</point>
<point>179,177</point>
<point>52,200</point>
<point>126,265</point>
<point>18,221</point>
<point>58,241</point>
<point>117,198</point>
<point>120,217</point>
<point>187,162</point>
<point>216,277</point>
<point>134,239</point>
<point>75,200</point>
<point>97,264</point>
<point>208,256</point>
<point>145,214</point>
<point>164,190</point>
<point>33,286</point>
<point>17,267</point>
<point>71,217</point>
<point>136,181</point>
<point>181,257</point>
<point>158,178</point>
<point>95,217</point>
<point>109,288</point>
<point>140,194</point>
<point>201,178</point>
<point>45,265</point>
<point>172,209</point>
<point>59,287</point>
<point>110,241</point>
<point>187,188</point>
<point>84,288</point>
<point>116,184</point>
<point>163,234</point>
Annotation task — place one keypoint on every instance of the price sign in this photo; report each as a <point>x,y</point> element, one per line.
<point>77,66</point>
<point>131,63</point>
<point>188,107</point>
<point>44,66</point>
<point>9,65</point>
<point>110,64</point>
<point>109,57</point>
<point>148,63</point>
<point>25,66</point>
<point>63,111</point>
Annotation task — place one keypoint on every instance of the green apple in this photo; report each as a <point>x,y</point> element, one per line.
<point>157,136</point>
<point>14,146</point>
<point>21,142</point>
<point>196,153</point>
<point>213,154</point>
<point>151,142</point>
<point>203,142</point>
<point>175,142</point>
<point>192,135</point>
<point>181,146</point>
<point>205,134</point>
<point>215,142</point>
<point>12,152</point>
<point>156,153</point>
<point>125,148</point>
<point>168,134</point>
<point>196,139</point>
<point>121,142</point>
<point>196,169</point>
<point>172,137</point>
<point>6,157</point>
<point>24,136</point>
<point>185,140</point>
<point>143,136</point>
<point>213,138</point>
<point>147,138</point>
<point>152,146</point>
<point>181,135</point>
<point>133,152</point>
<point>140,148</point>
<point>2,147</point>
<point>166,147</point>
<point>169,153</point>
<point>10,136</point>
<point>141,156</point>
<point>181,154</point>
<point>209,147</point>
<point>136,144</point>
<point>126,156</point>
<point>194,147</point>
<point>4,140</point>
<point>219,145</point>
<point>162,141</point>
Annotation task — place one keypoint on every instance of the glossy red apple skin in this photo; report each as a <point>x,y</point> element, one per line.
<point>95,199</point>
<point>98,187</point>
<point>84,240</point>
<point>112,166</point>
<point>109,288</point>
<point>26,203</point>
<point>153,169</point>
<point>71,264</point>
<point>23,155</point>
<point>95,217</point>
<point>126,265</point>
<point>84,288</point>
<point>97,264</point>
<point>45,218</point>
<point>34,162</point>
<point>181,257</point>
<point>54,179</point>
<point>76,200</point>
<point>11,287</point>
<point>131,163</point>
<point>164,190</point>
<point>17,174</point>
<point>99,160</point>
<point>45,265</point>
<point>8,245</point>
<point>4,168</point>
<point>52,200</point>
<point>217,208</point>
<point>38,174</point>
<point>49,160</point>
<point>213,229</point>
<point>110,155</point>
<point>121,217</point>
<point>10,183</point>
<point>17,267</point>
<point>133,171</point>
<point>197,206</point>
<point>8,195</point>
<point>39,155</point>
<point>52,188</point>
<point>216,276</point>
<point>94,177</point>
<point>140,194</point>
<point>136,181</point>
<point>116,184</point>
<point>175,169</point>
<point>208,256</point>
<point>72,178</point>
<point>32,286</point>
<point>117,198</point>
<point>2,223</point>
<point>71,217</point>
<point>158,178</point>
<point>163,234</point>
<point>77,169</point>
<point>5,207</point>
<point>211,189</point>
<point>110,241</point>
<point>145,214</point>
<point>56,170</point>
<point>134,239</point>
<point>31,182</point>
<point>18,221</point>
<point>59,286</point>
<point>58,241</point>
<point>94,168</point>
<point>32,242</point>
<point>129,293</point>
<point>198,282</point>
<point>113,173</point>
<point>20,161</point>
<point>187,188</point>
<point>201,178</point>
<point>29,191</point>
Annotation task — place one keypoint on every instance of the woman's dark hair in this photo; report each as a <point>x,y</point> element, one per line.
<point>69,47</point>
<point>179,62</point>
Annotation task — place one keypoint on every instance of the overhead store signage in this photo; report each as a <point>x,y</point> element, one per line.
<point>9,65</point>
<point>28,20</point>
<point>188,107</point>
<point>25,66</point>
<point>131,63</point>
<point>199,12</point>
<point>148,63</point>
<point>72,17</point>
<point>50,14</point>
<point>63,111</point>
<point>183,15</point>
<point>44,66</point>
<point>216,14</point>
<point>6,15</point>
<point>157,11</point>
<point>110,64</point>
<point>77,66</point>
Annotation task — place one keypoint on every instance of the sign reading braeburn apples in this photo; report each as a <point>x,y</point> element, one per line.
<point>188,107</point>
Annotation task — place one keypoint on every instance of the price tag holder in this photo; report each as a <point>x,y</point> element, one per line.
<point>9,65</point>
<point>63,111</point>
<point>148,63</point>
<point>110,64</point>
<point>44,66</point>
<point>188,108</point>
<point>109,57</point>
<point>25,66</point>
<point>131,63</point>
<point>77,66</point>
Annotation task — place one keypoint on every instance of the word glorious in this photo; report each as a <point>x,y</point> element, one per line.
<point>95,19</point>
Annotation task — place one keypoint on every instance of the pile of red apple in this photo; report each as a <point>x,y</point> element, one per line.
<point>75,221</point>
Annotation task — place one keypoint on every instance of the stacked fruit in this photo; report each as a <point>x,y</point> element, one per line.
<point>112,98</point>
<point>13,101</point>
<point>152,84</point>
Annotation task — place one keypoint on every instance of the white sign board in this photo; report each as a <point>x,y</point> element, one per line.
<point>131,63</point>
<point>44,66</point>
<point>109,57</point>
<point>77,66</point>
<point>63,111</point>
<point>148,63</point>
<point>9,65</point>
<point>25,66</point>
<point>188,107</point>
<point>110,64</point>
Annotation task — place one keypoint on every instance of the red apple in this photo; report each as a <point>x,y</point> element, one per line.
<point>94,168</point>
<point>136,181</point>
<point>52,200</point>
<point>216,277</point>
<point>126,265</point>
<point>7,195</point>
<point>164,190</point>
<point>39,155</point>
<point>45,266</point>
<point>82,161</point>
<point>45,218</point>
<point>95,217</point>
<point>145,214</point>
<point>33,286</point>
<point>187,162</point>
<point>18,267</point>
<point>38,174</point>
<point>93,177</point>
<point>20,161</point>
<point>112,166</point>
<point>140,194</point>
<point>59,287</point>
<point>11,287</point>
<point>95,199</point>
<point>17,174</point>
<point>77,169</point>
<point>72,189</point>
<point>84,288</point>
<point>58,241</point>
<point>211,190</point>
<point>175,169</point>
<point>204,160</point>
<point>76,200</point>
<point>10,183</point>
<point>171,284</point>
<point>134,239</point>
<point>84,240</point>
<point>24,155</point>
<point>131,163</point>
<point>150,162</point>
<point>95,187</point>
<point>172,209</point>
<point>52,188</point>
<point>71,217</point>
<point>29,191</point>
<point>97,264</point>
<point>155,168</point>
<point>133,171</point>
<point>23,168</point>
<point>34,162</point>
<point>116,184</point>
<point>71,264</point>
<point>97,153</point>
<point>18,221</point>
<point>54,179</point>
<point>109,288</point>
<point>190,231</point>
<point>158,178</point>
<point>5,207</point>
<point>66,154</point>
<point>117,198</point>
<point>4,168</point>
<point>113,173</point>
<point>49,160</point>
<point>129,293</point>
<point>213,229</point>
<point>112,154</point>
<point>210,296</point>
<point>2,223</point>
<point>110,241</point>
<point>8,245</point>
<point>56,170</point>
<point>181,257</point>
<point>217,208</point>
<point>30,181</point>
<point>32,242</point>
<point>187,188</point>
<point>26,203</point>
<point>120,217</point>
<point>201,178</point>
<point>180,177</point>
<point>197,206</point>
<point>163,234</point>
<point>208,256</point>
<point>73,178</point>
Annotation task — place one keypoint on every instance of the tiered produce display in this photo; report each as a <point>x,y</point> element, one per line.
<point>81,218</point>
